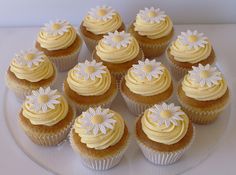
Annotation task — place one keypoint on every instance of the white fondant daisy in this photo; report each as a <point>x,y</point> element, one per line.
<point>148,69</point>
<point>102,13</point>
<point>29,58</point>
<point>205,75</point>
<point>166,114</point>
<point>117,39</point>
<point>97,119</point>
<point>43,100</point>
<point>90,70</point>
<point>193,39</point>
<point>152,15</point>
<point>58,27</point>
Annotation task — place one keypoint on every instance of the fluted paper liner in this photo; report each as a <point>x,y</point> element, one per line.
<point>164,158</point>
<point>153,50</point>
<point>90,43</point>
<point>22,91</point>
<point>103,163</point>
<point>135,107</point>
<point>105,104</point>
<point>50,139</point>
<point>199,115</point>
<point>176,71</point>
<point>64,63</point>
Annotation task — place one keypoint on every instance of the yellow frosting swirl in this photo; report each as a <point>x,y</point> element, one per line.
<point>117,55</point>
<point>153,30</point>
<point>183,53</point>
<point>147,87</point>
<point>49,118</point>
<point>89,87</point>
<point>57,42</point>
<point>205,93</point>
<point>100,26</point>
<point>101,141</point>
<point>163,134</point>
<point>43,70</point>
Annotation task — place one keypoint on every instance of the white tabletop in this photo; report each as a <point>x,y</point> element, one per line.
<point>223,38</point>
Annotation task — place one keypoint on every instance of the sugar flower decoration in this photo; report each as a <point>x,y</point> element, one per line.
<point>152,15</point>
<point>193,39</point>
<point>166,114</point>
<point>42,100</point>
<point>29,58</point>
<point>102,13</point>
<point>90,70</point>
<point>117,39</point>
<point>205,75</point>
<point>148,69</point>
<point>59,27</point>
<point>99,119</point>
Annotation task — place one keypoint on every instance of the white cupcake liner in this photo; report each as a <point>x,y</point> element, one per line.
<point>158,49</point>
<point>200,115</point>
<point>22,91</point>
<point>64,63</point>
<point>176,71</point>
<point>90,43</point>
<point>47,139</point>
<point>164,158</point>
<point>103,163</point>
<point>81,107</point>
<point>135,107</point>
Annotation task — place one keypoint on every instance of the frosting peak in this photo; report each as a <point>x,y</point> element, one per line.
<point>122,44</point>
<point>89,78</point>
<point>99,128</point>
<point>45,107</point>
<point>153,23</point>
<point>57,35</point>
<point>148,78</point>
<point>204,83</point>
<point>191,47</point>
<point>165,123</point>
<point>101,13</point>
<point>101,20</point>
<point>31,65</point>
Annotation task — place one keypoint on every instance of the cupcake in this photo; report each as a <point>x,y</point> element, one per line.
<point>153,29</point>
<point>46,117</point>
<point>97,22</point>
<point>28,71</point>
<point>164,133</point>
<point>145,84</point>
<point>100,137</point>
<point>190,49</point>
<point>90,84</point>
<point>203,94</point>
<point>61,43</point>
<point>118,51</point>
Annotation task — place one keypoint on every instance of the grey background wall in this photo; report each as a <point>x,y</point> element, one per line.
<point>37,12</point>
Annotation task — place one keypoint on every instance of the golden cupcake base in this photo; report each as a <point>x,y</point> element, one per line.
<point>48,135</point>
<point>91,39</point>
<point>152,47</point>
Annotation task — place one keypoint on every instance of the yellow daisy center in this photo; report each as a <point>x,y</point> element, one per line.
<point>43,99</point>
<point>56,26</point>
<point>165,114</point>
<point>192,38</point>
<point>204,74</point>
<point>97,119</point>
<point>29,56</point>
<point>152,14</point>
<point>90,69</point>
<point>117,38</point>
<point>147,68</point>
<point>101,12</point>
